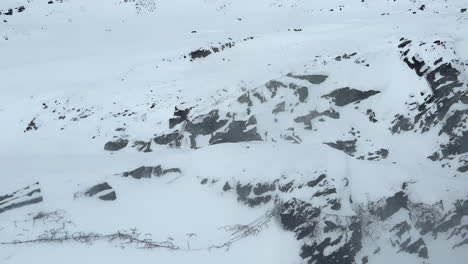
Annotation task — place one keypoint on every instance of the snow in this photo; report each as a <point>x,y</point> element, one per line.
<point>105,57</point>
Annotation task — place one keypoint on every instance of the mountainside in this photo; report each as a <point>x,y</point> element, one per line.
<point>221,131</point>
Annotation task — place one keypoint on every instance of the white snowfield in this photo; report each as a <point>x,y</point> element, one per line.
<point>234,131</point>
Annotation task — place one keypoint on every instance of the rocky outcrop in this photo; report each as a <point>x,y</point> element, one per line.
<point>102,191</point>
<point>24,197</point>
<point>148,172</point>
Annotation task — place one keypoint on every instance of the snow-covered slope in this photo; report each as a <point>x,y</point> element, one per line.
<point>221,131</point>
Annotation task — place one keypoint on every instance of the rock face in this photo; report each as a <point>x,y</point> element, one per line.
<point>346,95</point>
<point>148,172</point>
<point>27,196</point>
<point>116,145</point>
<point>436,110</point>
<point>103,191</point>
<point>313,79</point>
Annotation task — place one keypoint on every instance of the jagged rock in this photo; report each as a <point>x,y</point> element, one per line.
<point>243,191</point>
<point>281,107</point>
<point>103,190</point>
<point>227,187</point>
<point>299,216</point>
<point>148,172</point>
<point>23,197</point>
<point>392,205</point>
<point>260,97</point>
<point>418,247</point>
<point>31,126</point>
<point>205,124</point>
<point>237,132</point>
<point>116,145</point>
<point>313,183</point>
<point>245,99</point>
<point>301,92</point>
<point>401,123</point>
<point>261,188</point>
<point>452,218</point>
<point>307,119</point>
<point>273,86</point>
<point>348,244</point>
<point>180,116</point>
<point>376,155</point>
<point>200,53</point>
<point>169,139</point>
<point>347,146</point>
<point>313,79</point>
<point>142,146</point>
<point>346,95</point>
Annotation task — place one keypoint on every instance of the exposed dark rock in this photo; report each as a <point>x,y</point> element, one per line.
<point>116,145</point>
<point>98,188</point>
<point>401,228</point>
<point>301,92</point>
<point>171,170</point>
<point>454,121</point>
<point>463,168</point>
<point>416,65</point>
<point>143,172</point>
<point>298,216</point>
<point>347,146</point>
<point>31,126</point>
<point>200,53</point>
<point>273,86</point>
<point>313,183</point>
<point>401,123</point>
<point>286,187</point>
<point>392,205</point>
<point>259,97</point>
<point>281,107</point>
<point>256,201</point>
<point>205,124</point>
<point>142,146</point>
<point>376,155</point>
<point>307,119</point>
<point>346,95</point>
<point>148,172</point>
<point>261,188</point>
<point>237,132</point>
<point>23,197</point>
<point>245,99</point>
<point>313,79</point>
<point>108,197</point>
<point>243,191</point>
<point>350,244</point>
<point>452,218</point>
<point>325,192</point>
<point>458,145</point>
<point>419,247</point>
<point>371,115</point>
<point>172,139</point>
<point>180,116</point>
<point>227,187</point>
